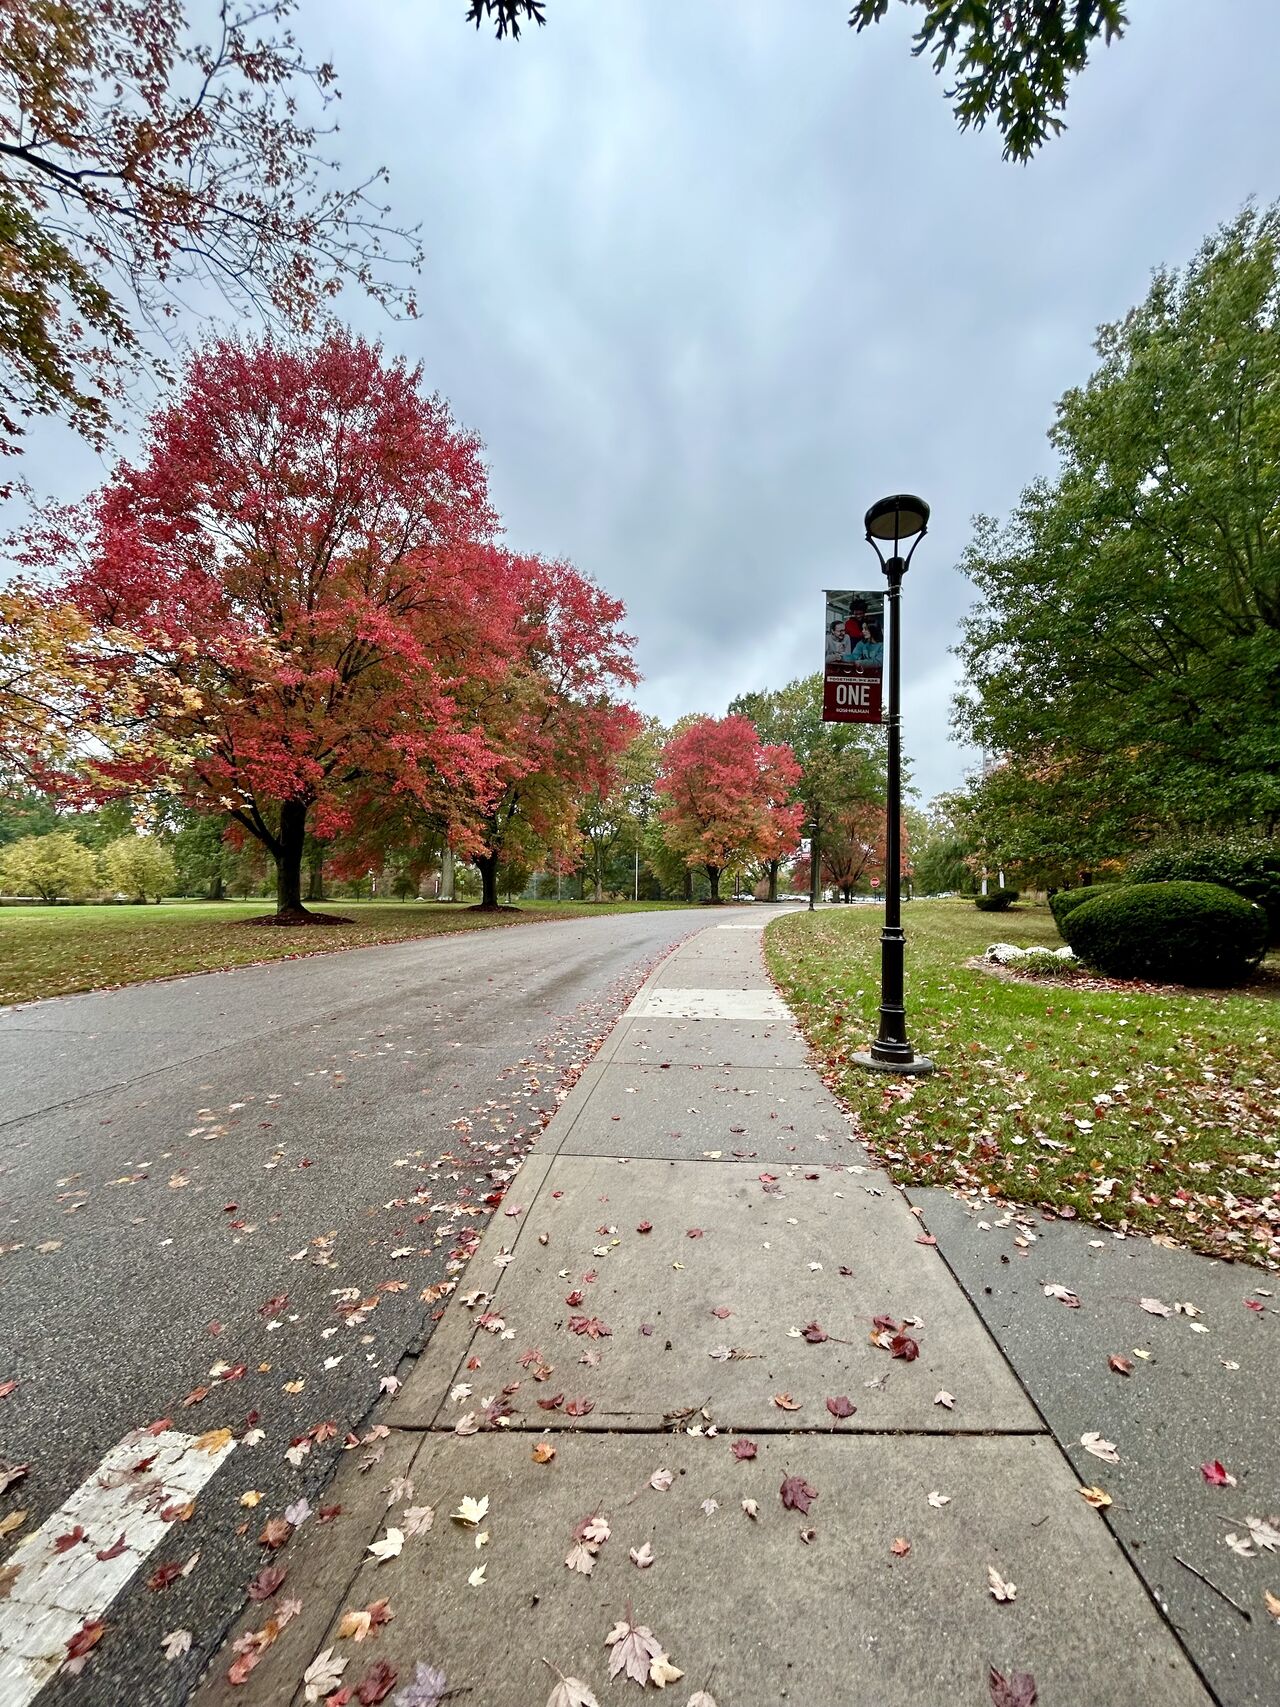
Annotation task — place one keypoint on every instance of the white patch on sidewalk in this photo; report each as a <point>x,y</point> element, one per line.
<point>744,925</point>
<point>52,1593</point>
<point>709,1004</point>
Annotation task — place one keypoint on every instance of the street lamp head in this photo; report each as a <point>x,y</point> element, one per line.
<point>900,517</point>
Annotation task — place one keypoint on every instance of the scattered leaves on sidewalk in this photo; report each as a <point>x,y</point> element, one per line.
<point>389,1546</point>
<point>176,1643</point>
<point>1000,1589</point>
<point>1217,1475</point>
<point>785,1402</point>
<point>942,1397</point>
<point>1265,1532</point>
<point>1018,1689</point>
<point>357,1624</point>
<point>1100,1448</point>
<point>1064,1296</point>
<point>938,1500</point>
<point>323,1675</point>
<point>642,1557</point>
<point>900,1547</point>
<point>1154,1307</point>
<point>543,1452</point>
<point>267,1581</point>
<point>797,1494</point>
<point>633,1649</point>
<point>841,1407</point>
<point>661,1480</point>
<point>1098,1498</point>
<point>569,1692</point>
<point>471,1511</point>
<point>1120,1365</point>
<point>743,1448</point>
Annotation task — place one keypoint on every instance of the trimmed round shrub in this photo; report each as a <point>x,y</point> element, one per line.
<point>1067,900</point>
<point>1181,933</point>
<point>1249,866</point>
<point>995,900</point>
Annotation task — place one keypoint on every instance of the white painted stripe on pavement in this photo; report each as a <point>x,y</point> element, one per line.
<point>709,1004</point>
<point>51,1594</point>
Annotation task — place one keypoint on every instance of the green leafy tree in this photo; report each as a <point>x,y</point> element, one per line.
<point>139,866</point>
<point>1010,61</point>
<point>1124,658</point>
<point>54,867</point>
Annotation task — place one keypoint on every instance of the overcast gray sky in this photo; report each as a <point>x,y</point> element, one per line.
<point>709,276</point>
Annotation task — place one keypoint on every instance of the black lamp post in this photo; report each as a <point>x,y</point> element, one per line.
<point>894,519</point>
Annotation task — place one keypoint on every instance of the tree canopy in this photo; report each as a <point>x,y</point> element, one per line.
<point>1123,663</point>
<point>154,148</point>
<point>1011,60</point>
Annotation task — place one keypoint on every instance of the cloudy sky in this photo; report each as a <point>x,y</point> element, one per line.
<point>709,276</point>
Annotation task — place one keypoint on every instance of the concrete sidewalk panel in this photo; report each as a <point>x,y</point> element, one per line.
<point>768,1251</point>
<point>749,1610</point>
<point>754,1006</point>
<point>1205,1390</point>
<point>695,1112</point>
<point>774,1043</point>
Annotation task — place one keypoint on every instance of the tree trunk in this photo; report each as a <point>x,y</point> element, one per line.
<point>713,878</point>
<point>487,864</point>
<point>293,830</point>
<point>315,877</point>
<point>215,887</point>
<point>688,883</point>
<point>773,878</point>
<point>446,874</point>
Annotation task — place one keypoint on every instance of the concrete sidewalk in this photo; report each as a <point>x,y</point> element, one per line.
<point>689,1268</point>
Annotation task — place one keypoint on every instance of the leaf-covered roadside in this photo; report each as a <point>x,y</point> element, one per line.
<point>1157,1112</point>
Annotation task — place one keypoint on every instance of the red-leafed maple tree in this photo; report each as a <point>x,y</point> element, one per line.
<point>305,548</point>
<point>554,719</point>
<point>724,796</point>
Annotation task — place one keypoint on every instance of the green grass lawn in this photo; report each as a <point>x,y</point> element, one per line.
<point>54,951</point>
<point>1160,1111</point>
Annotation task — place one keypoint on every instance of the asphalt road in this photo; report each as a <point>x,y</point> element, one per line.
<point>222,1187</point>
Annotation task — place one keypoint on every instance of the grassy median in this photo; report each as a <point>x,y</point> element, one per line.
<point>1154,1109</point>
<point>56,951</point>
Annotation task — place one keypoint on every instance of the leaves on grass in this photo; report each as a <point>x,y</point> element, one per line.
<point>1017,1689</point>
<point>797,1494</point>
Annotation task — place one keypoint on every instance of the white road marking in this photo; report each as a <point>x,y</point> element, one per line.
<point>709,1004</point>
<point>53,1594</point>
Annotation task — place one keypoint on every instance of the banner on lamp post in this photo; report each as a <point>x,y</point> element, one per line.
<point>854,660</point>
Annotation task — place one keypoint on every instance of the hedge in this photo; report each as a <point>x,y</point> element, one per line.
<point>1184,933</point>
<point>1067,900</point>
<point>1250,866</point>
<point>995,900</point>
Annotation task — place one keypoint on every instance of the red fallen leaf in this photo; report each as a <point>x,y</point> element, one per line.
<point>239,1670</point>
<point>327,1513</point>
<point>552,1404</point>
<point>742,1447</point>
<point>814,1334</point>
<point>1121,1365</point>
<point>767,1179</point>
<point>7,1387</point>
<point>723,1311</point>
<point>845,1270</point>
<point>142,1466</point>
<point>323,1431</point>
<point>644,1227</point>
<point>377,1682</point>
<point>215,1327</point>
<point>646,1328</point>
<point>86,1637</point>
<point>236,1374</point>
<point>590,1278</point>
<point>841,1407</point>
<point>274,1306</point>
<point>579,1407</point>
<point>71,1539</point>
<point>275,1532</point>
<point>1018,1689</point>
<point>901,1547</point>
<point>158,1426</point>
<point>694,1232</point>
<point>797,1494</point>
<point>267,1581</point>
<point>591,1326</point>
<point>113,1551</point>
<point>163,1575</point>
<point>884,1325</point>
<point>902,1345</point>
<point>573,1299</point>
<point>925,1239</point>
<point>1217,1475</point>
<point>1249,1304</point>
<point>196,1396</point>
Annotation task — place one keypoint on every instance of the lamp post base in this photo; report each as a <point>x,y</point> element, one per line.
<point>911,1067</point>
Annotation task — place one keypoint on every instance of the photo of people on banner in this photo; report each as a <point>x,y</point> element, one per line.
<point>854,657</point>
